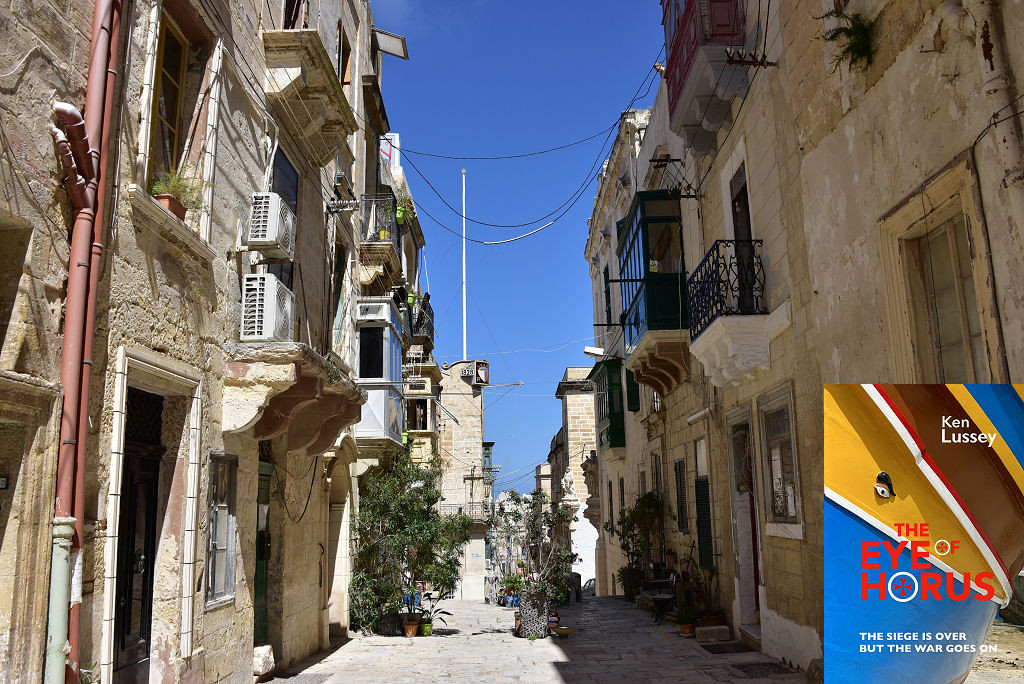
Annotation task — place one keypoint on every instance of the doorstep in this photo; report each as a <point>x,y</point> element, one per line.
<point>750,635</point>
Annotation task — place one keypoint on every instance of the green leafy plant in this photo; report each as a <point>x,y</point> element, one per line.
<point>402,540</point>
<point>433,612</point>
<point>534,524</point>
<point>852,35</point>
<point>404,208</point>
<point>183,186</point>
<point>638,529</point>
<point>513,583</point>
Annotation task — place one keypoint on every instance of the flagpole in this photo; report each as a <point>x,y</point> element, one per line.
<point>464,355</point>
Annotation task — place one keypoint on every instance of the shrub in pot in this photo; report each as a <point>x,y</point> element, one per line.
<point>531,521</point>
<point>179,192</point>
<point>687,620</point>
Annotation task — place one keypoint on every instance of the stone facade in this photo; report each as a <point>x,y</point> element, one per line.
<point>570,447</point>
<point>257,473</point>
<point>830,182</point>
<point>465,484</point>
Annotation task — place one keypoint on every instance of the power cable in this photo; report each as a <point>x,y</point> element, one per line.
<point>647,81</point>
<point>510,156</point>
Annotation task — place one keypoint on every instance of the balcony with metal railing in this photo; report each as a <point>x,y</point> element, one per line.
<point>731,326</point>
<point>701,83</point>
<point>477,510</point>
<point>423,322</point>
<point>380,238</point>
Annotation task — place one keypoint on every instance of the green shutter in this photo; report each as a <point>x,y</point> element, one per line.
<point>705,546</point>
<point>682,516</point>
<point>632,392</point>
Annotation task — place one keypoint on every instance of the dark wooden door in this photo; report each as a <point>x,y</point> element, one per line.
<point>745,266</point>
<point>136,552</point>
<point>261,581</point>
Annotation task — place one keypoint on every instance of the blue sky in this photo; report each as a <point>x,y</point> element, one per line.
<point>490,78</point>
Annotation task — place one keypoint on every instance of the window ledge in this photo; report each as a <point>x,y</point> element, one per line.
<point>785,530</point>
<point>145,207</point>
<point>220,602</point>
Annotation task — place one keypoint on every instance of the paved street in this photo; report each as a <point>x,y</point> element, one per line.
<point>616,642</point>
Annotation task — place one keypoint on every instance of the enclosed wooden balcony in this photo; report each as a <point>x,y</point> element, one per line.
<point>653,287</point>
<point>701,83</point>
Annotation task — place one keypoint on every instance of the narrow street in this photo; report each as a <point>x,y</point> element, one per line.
<point>616,642</point>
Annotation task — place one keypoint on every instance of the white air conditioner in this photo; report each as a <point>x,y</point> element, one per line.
<point>271,226</point>
<point>268,309</point>
<point>376,311</point>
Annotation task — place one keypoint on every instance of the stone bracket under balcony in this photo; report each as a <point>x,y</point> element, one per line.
<point>731,348</point>
<point>705,105</point>
<point>306,91</point>
<point>659,360</point>
<point>280,387</point>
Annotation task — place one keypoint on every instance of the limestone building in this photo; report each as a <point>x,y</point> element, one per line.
<point>466,482</point>
<point>777,221</point>
<point>570,447</point>
<point>207,361</point>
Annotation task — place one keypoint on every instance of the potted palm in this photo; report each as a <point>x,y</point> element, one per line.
<point>179,191</point>
<point>429,615</point>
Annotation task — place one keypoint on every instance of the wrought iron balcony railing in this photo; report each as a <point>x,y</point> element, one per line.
<point>423,318</point>
<point>729,281</point>
<point>379,220</point>
<point>477,510</point>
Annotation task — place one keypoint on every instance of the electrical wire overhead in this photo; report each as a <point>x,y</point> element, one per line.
<point>512,156</point>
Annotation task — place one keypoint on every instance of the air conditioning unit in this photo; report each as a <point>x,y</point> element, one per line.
<point>271,226</point>
<point>375,311</point>
<point>268,309</point>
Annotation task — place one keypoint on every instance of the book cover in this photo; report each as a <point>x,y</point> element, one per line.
<point>924,528</point>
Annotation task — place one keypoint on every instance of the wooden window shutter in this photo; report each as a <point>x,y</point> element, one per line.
<point>705,545</point>
<point>632,392</point>
<point>682,519</point>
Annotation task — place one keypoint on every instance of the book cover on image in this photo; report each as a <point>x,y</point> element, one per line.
<point>924,531</point>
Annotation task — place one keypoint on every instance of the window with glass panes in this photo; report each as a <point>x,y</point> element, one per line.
<point>951,329</point>
<point>285,182</point>
<point>779,459</point>
<point>172,59</point>
<point>220,557</point>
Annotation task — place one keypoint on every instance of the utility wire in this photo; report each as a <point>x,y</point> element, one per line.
<point>647,81</point>
<point>511,156</point>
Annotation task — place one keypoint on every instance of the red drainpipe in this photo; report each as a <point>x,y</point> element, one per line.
<point>83,165</point>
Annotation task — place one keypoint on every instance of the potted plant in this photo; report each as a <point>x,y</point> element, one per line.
<point>686,617</point>
<point>638,530</point>
<point>403,539</point>
<point>405,206</point>
<point>428,616</point>
<point>179,191</point>
<point>709,611</point>
<point>547,562</point>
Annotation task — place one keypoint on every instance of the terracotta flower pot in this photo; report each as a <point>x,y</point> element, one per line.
<point>519,620</point>
<point>410,628</point>
<point>687,630</point>
<point>171,204</point>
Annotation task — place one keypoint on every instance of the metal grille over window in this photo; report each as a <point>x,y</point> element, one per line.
<point>146,412</point>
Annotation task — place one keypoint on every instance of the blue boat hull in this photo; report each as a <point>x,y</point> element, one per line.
<point>847,616</point>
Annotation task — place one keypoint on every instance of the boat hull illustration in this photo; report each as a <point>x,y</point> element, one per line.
<point>924,526</point>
